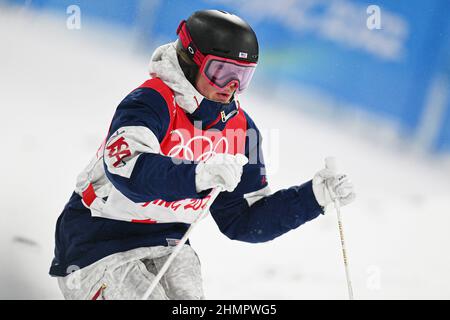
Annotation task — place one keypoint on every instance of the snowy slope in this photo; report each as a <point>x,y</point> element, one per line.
<point>397,231</point>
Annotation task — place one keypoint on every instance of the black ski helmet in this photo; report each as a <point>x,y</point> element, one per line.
<point>218,33</point>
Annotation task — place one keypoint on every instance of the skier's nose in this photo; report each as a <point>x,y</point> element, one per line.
<point>232,86</point>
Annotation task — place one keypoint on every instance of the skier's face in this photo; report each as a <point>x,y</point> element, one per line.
<point>212,93</point>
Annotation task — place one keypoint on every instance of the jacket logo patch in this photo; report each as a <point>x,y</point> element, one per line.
<point>172,242</point>
<point>119,149</point>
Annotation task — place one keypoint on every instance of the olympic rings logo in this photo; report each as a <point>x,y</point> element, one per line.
<point>189,154</point>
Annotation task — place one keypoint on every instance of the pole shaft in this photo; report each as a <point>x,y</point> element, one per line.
<point>344,251</point>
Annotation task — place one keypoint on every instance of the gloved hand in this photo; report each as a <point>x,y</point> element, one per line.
<point>221,170</point>
<point>339,186</point>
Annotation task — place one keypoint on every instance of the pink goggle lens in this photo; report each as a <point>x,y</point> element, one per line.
<point>220,72</point>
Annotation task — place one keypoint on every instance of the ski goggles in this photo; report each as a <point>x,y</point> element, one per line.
<point>219,71</point>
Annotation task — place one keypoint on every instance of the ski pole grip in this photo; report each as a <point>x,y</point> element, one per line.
<point>330,164</point>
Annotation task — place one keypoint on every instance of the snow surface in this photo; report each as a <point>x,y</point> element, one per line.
<point>58,92</point>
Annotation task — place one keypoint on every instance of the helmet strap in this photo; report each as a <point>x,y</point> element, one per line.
<point>188,44</point>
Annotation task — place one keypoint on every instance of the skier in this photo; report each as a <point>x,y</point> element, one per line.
<point>171,141</point>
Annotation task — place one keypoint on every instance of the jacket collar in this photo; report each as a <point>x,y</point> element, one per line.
<point>213,114</point>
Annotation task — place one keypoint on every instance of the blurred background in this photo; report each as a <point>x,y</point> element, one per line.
<point>365,81</point>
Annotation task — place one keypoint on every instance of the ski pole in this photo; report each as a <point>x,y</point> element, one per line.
<point>213,195</point>
<point>330,163</point>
